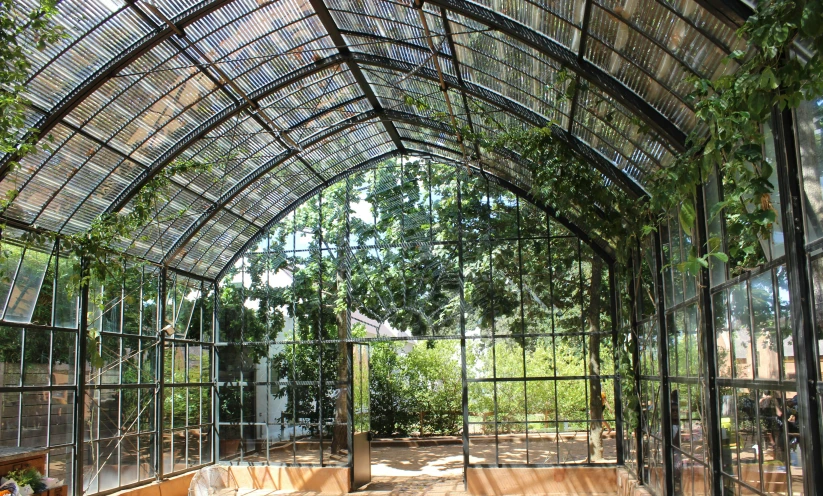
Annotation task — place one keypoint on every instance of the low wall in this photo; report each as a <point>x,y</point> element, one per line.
<point>327,480</point>
<point>600,481</point>
<point>176,486</point>
<point>628,485</point>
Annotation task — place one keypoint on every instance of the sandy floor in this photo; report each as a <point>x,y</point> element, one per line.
<point>448,459</point>
<point>438,470</point>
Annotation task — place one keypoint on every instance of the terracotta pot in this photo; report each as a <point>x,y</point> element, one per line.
<point>228,447</point>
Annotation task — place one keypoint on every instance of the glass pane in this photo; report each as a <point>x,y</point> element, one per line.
<point>810,130</point>
<point>764,319</point>
<point>27,284</point>
<point>741,339</point>
<point>776,245</point>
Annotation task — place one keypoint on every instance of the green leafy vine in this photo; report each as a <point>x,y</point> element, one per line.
<point>781,68</point>
<point>17,138</point>
<point>775,72</point>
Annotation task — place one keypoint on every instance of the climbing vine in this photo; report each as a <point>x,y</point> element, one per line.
<point>732,109</point>
<point>781,68</point>
<point>17,138</point>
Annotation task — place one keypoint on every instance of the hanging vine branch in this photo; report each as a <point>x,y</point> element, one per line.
<point>17,138</point>
<point>773,74</point>
<point>732,108</point>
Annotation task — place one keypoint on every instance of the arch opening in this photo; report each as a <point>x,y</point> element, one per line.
<point>460,289</point>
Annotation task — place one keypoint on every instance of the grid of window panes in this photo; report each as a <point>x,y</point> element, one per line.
<point>391,254</point>
<point>535,374</point>
<point>757,393</point>
<point>187,374</point>
<point>684,368</point>
<point>627,366</point>
<point>278,376</point>
<point>755,361</point>
<point>119,408</point>
<point>755,366</point>
<point>40,321</point>
<point>649,394</point>
<point>757,399</point>
<point>38,336</point>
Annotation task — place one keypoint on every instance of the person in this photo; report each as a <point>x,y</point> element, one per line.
<point>772,419</point>
<point>793,428</point>
<point>606,408</point>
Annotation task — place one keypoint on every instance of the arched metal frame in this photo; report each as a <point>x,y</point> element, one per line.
<point>249,180</point>
<point>354,60</point>
<point>237,379</point>
<point>618,177</point>
<point>583,150</point>
<point>602,249</point>
<point>481,14</point>
<point>397,124</point>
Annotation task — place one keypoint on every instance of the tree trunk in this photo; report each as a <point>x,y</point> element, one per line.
<point>811,173</point>
<point>595,398</point>
<point>340,437</point>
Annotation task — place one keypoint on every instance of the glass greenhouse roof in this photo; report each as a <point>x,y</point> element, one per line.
<point>285,97</point>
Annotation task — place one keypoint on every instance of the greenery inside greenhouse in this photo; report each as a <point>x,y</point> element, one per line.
<point>411,247</point>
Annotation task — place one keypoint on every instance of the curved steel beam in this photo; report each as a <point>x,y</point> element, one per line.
<point>733,13</point>
<point>476,12</point>
<point>607,168</point>
<point>568,58</point>
<point>593,244</point>
<point>330,25</point>
<point>267,166</point>
<point>597,245</point>
<point>254,176</point>
<point>99,77</point>
<point>504,153</point>
<point>439,126</point>
<point>213,122</point>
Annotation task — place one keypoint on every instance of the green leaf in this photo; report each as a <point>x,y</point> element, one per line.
<point>687,216</point>
<point>811,20</point>
<point>766,170</point>
<point>768,81</point>
<point>720,256</point>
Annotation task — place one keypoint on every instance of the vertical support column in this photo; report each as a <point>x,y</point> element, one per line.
<point>320,322</point>
<point>492,302</point>
<point>636,313</point>
<point>708,341</point>
<point>161,367</point>
<point>800,304</point>
<point>586,364</point>
<point>53,321</point>
<point>215,405</point>
<point>349,346</point>
<point>80,383</point>
<point>350,411</point>
<point>663,354</point>
<point>461,281</point>
<point>618,400</point>
<point>523,323</point>
<point>215,402</point>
